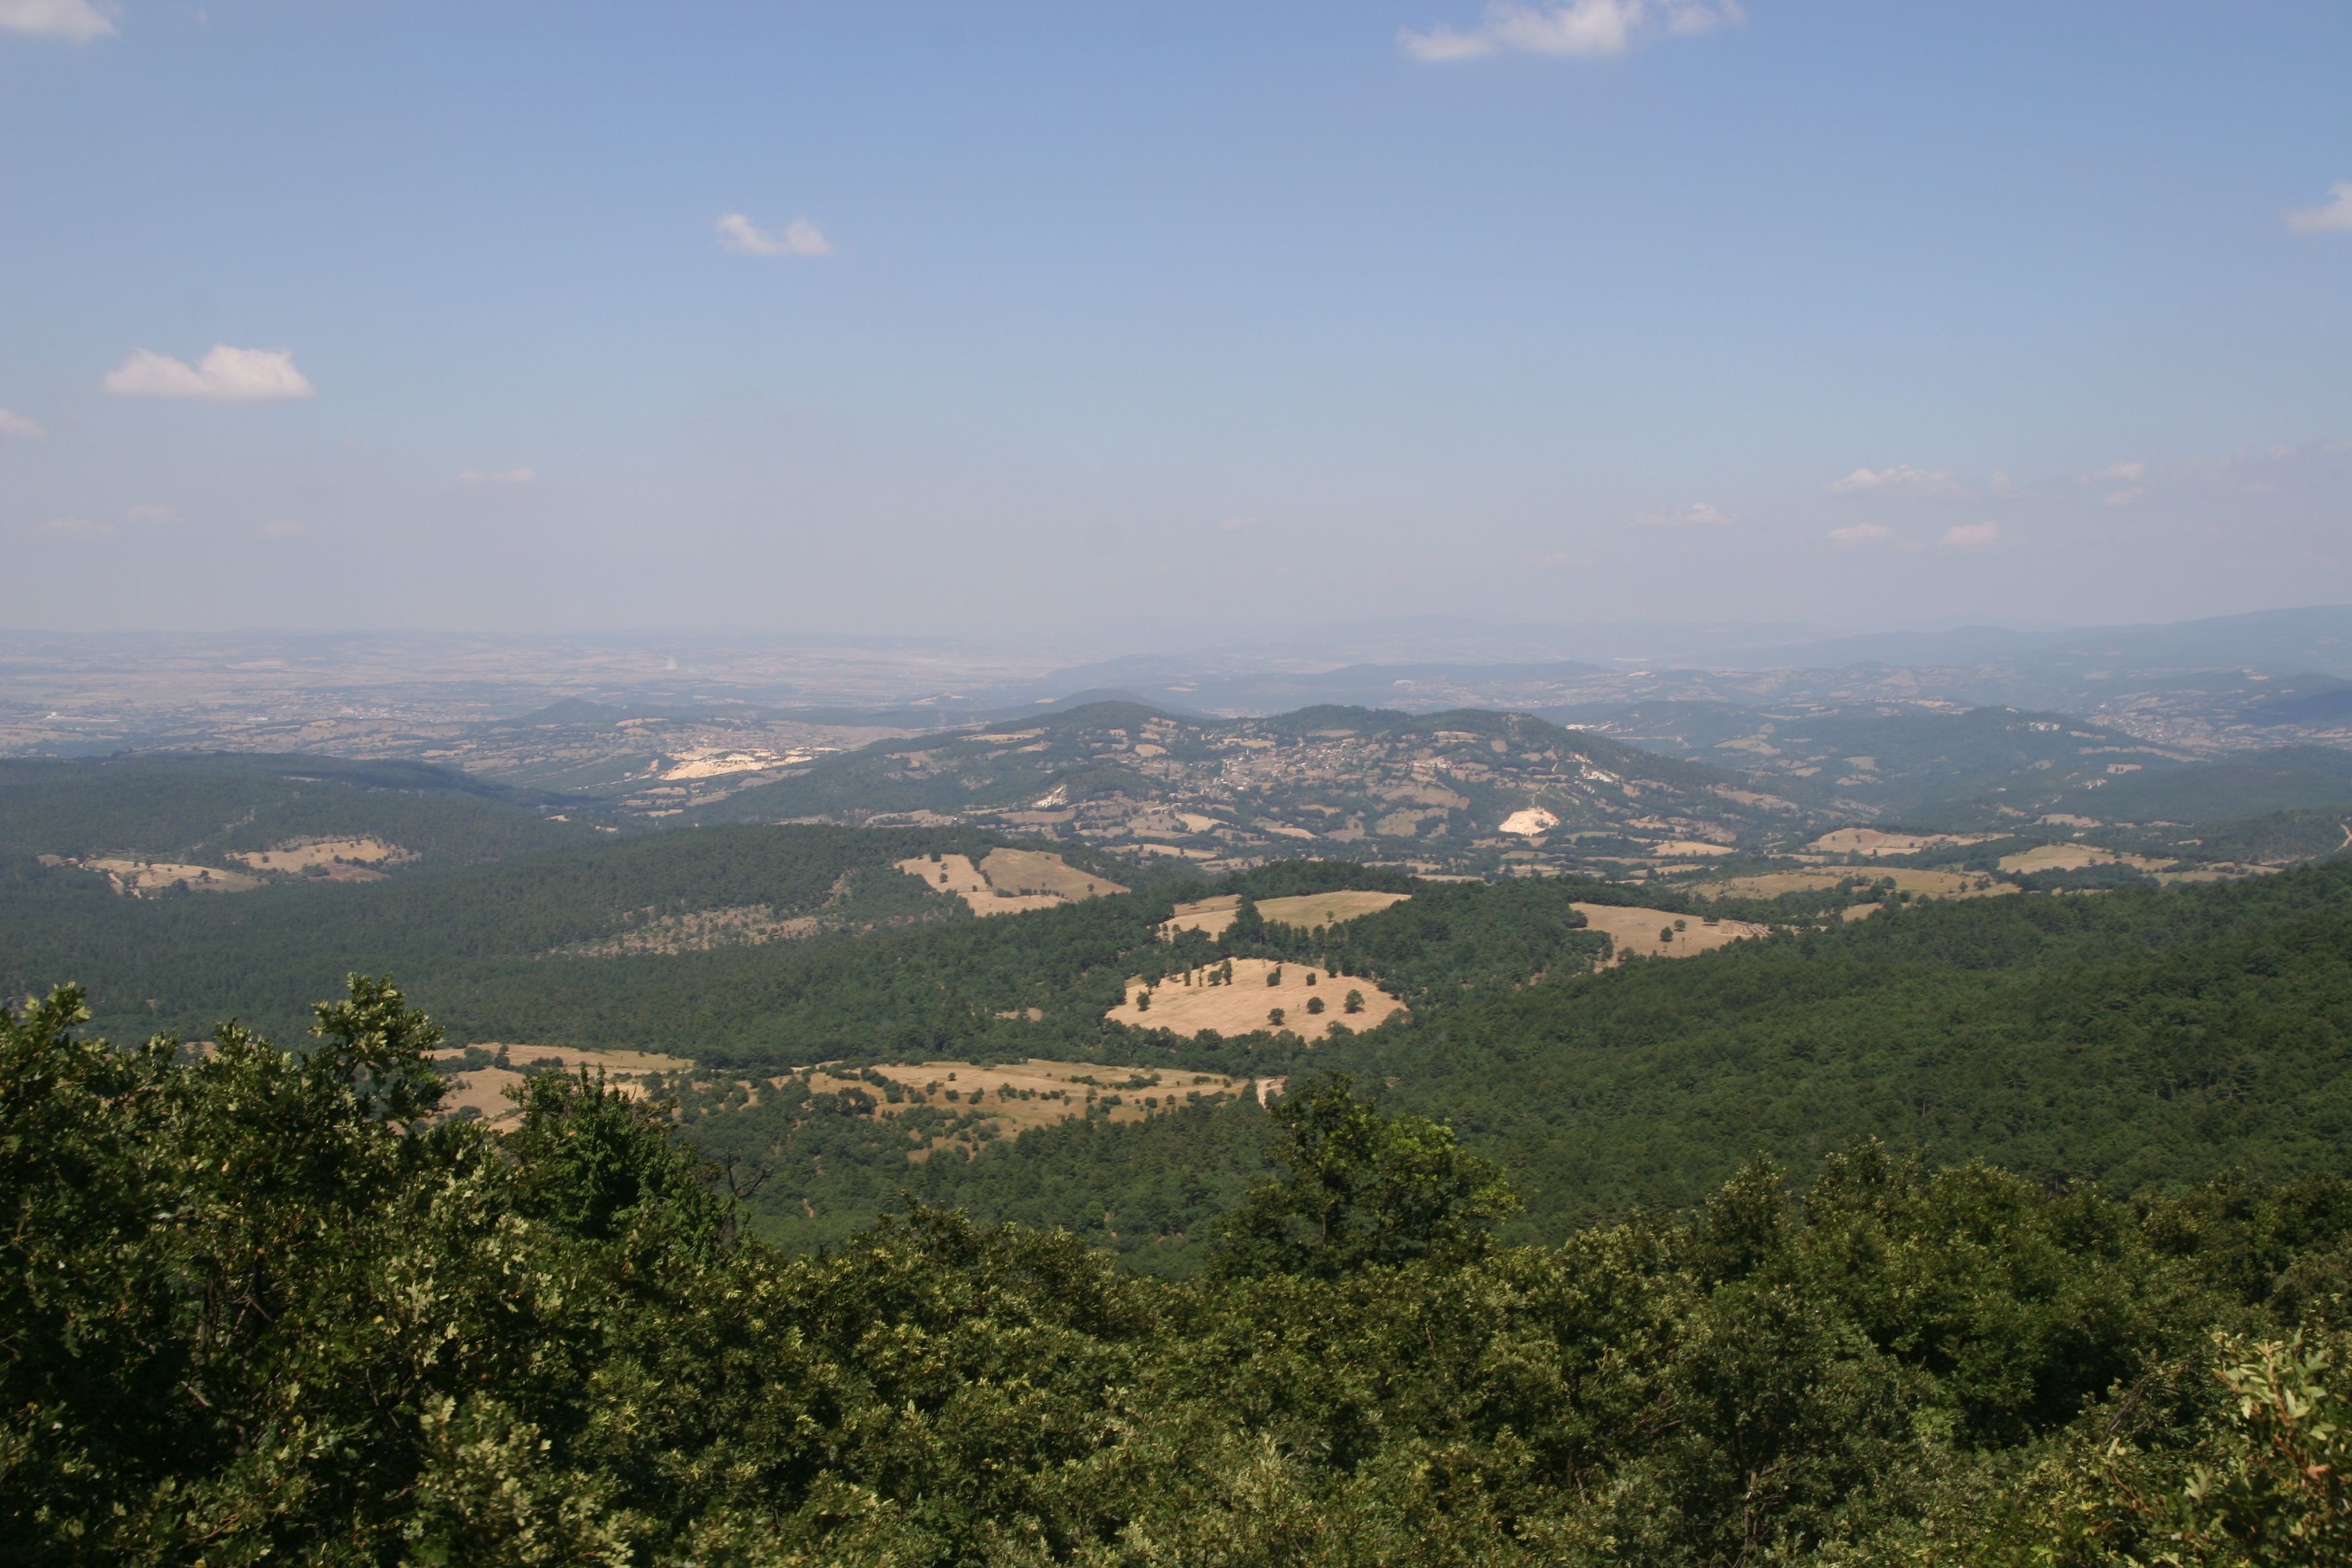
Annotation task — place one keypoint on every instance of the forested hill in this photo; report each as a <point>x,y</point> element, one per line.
<point>2140,1039</point>
<point>201,808</point>
<point>262,1306</point>
<point>1435,790</point>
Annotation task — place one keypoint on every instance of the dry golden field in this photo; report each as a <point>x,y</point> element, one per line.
<point>1313,910</point>
<point>1010,881</point>
<point>1873,843</point>
<point>347,860</point>
<point>484,1090</point>
<point>1918,884</point>
<point>2077,858</point>
<point>145,879</point>
<point>1637,932</point>
<point>1189,1004</point>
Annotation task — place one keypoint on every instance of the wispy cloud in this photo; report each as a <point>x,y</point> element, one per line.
<point>2126,473</point>
<point>502,477</point>
<point>225,375</point>
<point>1972,536</point>
<point>1900,476</point>
<point>282,529</point>
<point>1587,28</point>
<point>158,515</point>
<point>2124,496</point>
<point>14,426</point>
<point>2331,217</point>
<point>77,528</point>
<point>801,237</point>
<point>77,20</point>
<point>1861,533</point>
<point>1699,514</point>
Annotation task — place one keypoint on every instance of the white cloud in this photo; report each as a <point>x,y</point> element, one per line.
<point>1699,514</point>
<point>2124,496</point>
<point>1575,28</point>
<point>77,528</point>
<point>2126,473</point>
<point>1972,536</point>
<point>226,375</point>
<point>14,426</point>
<point>75,19</point>
<point>1862,533</point>
<point>801,237</point>
<point>504,477</point>
<point>280,529</point>
<point>1900,476</point>
<point>2330,216</point>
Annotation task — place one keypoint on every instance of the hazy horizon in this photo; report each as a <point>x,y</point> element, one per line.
<point>1066,327</point>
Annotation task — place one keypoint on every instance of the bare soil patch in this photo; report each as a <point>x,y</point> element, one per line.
<point>1189,1004</point>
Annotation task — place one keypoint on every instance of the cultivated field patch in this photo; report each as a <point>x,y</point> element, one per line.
<point>2077,857</point>
<point>483,1090</point>
<point>1872,842</point>
<point>1241,996</point>
<point>1008,882</point>
<point>341,860</point>
<point>1918,884</point>
<point>1662,933</point>
<point>147,878</point>
<point>1311,911</point>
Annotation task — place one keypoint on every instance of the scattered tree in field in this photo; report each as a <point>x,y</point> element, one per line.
<point>1666,934</point>
<point>1354,1003</point>
<point>1274,1016</point>
<point>1274,976</point>
<point>1314,1005</point>
<point>1143,1000</point>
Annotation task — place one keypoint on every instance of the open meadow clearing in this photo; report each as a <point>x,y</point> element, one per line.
<point>1310,911</point>
<point>145,878</point>
<point>1918,884</point>
<point>1008,882</point>
<point>483,1090</point>
<point>349,859</point>
<point>1872,842</point>
<point>1662,933</point>
<point>1243,994</point>
<point>2077,857</point>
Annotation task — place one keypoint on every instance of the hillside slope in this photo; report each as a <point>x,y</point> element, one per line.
<point>1465,791</point>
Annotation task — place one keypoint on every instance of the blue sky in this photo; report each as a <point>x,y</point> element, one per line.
<point>1134,320</point>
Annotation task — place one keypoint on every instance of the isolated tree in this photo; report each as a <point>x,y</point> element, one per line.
<point>1354,1003</point>
<point>1274,976</point>
<point>1143,1000</point>
<point>1273,1015</point>
<point>1359,1188</point>
<point>1314,1005</point>
<point>1247,925</point>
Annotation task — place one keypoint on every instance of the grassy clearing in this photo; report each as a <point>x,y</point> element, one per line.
<point>1651,933</point>
<point>1918,884</point>
<point>1872,842</point>
<point>350,859</point>
<point>1189,1004</point>
<point>145,878</point>
<point>1008,882</point>
<point>1310,910</point>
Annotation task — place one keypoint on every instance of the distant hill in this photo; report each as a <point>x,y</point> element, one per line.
<point>1467,790</point>
<point>1907,761</point>
<point>200,807</point>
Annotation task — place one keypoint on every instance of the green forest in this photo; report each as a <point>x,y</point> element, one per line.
<point>263,1306</point>
<point>1994,1230</point>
